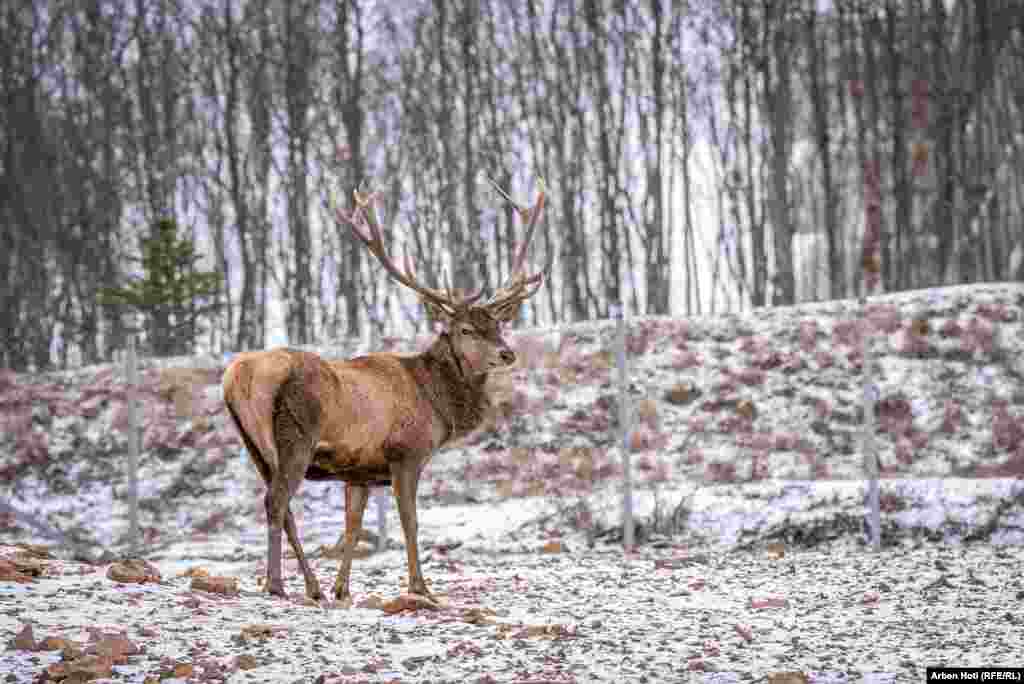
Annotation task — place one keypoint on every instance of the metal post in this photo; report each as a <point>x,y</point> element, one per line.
<point>627,475</point>
<point>870,453</point>
<point>382,519</point>
<point>382,494</point>
<point>131,374</point>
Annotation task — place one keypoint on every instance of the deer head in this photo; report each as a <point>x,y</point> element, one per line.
<point>472,329</point>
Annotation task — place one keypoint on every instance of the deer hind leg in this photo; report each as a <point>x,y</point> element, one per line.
<point>405,480</point>
<point>295,452</point>
<point>356,496</point>
<point>274,538</point>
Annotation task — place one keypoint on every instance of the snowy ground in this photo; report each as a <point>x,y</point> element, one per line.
<point>664,614</point>
<point>747,492</point>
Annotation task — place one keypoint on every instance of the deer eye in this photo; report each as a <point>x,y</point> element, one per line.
<point>468,331</point>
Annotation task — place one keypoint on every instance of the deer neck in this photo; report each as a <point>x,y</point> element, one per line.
<point>458,398</point>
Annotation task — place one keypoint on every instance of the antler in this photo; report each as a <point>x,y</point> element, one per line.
<point>519,287</point>
<point>365,213</point>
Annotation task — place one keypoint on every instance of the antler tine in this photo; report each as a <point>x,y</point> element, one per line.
<point>535,212</point>
<point>519,286</point>
<point>365,213</point>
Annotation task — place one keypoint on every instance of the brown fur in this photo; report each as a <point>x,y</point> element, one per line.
<point>374,419</point>
<point>371,420</point>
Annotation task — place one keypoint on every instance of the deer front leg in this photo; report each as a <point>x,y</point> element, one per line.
<point>356,496</point>
<point>404,479</point>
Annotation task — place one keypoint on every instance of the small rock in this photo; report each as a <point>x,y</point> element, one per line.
<point>70,650</point>
<point>183,670</point>
<point>82,669</point>
<point>9,572</point>
<point>682,393</point>
<point>553,631</point>
<point>246,661</point>
<point>117,648</point>
<point>228,586</point>
<point>554,546</point>
<point>410,602</point>
<point>24,640</point>
<point>133,571</point>
<point>373,602</point>
<point>768,602</point>
<point>746,408</point>
<point>260,631</point>
<point>478,616</point>
<point>787,678</point>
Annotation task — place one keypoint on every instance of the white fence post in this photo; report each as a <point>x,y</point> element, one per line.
<point>624,418</point>
<point>131,376</point>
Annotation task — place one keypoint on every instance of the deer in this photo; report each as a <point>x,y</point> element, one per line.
<point>374,420</point>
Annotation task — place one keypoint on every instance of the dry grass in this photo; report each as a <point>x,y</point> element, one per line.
<point>580,460</point>
<point>647,413</point>
<point>183,386</point>
<point>535,352</point>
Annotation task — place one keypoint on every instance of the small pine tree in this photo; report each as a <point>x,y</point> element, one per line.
<point>172,295</point>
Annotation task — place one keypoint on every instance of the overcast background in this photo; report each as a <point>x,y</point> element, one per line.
<point>700,156</point>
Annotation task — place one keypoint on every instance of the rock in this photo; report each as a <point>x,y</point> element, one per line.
<point>787,678</point>
<point>183,670</point>
<point>681,394</point>
<point>82,669</point>
<point>478,616</point>
<point>117,648</point>
<point>746,408</point>
<point>9,572</point>
<point>410,602</point>
<point>133,571</point>
<point>34,550</point>
<point>69,649</point>
<point>260,631</point>
<point>228,586</point>
<point>745,631</point>
<point>24,640</point>
<point>553,631</point>
<point>246,661</point>
<point>196,571</point>
<point>768,602</point>
<point>373,602</point>
<point>173,669</point>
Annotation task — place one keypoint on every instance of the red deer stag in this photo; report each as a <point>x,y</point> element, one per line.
<point>375,419</point>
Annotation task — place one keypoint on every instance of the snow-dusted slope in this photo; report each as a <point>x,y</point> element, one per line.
<point>746,436</point>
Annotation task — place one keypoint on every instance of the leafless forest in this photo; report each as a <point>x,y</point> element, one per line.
<point>701,155</point>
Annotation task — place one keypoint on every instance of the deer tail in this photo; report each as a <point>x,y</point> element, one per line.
<point>251,406</point>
